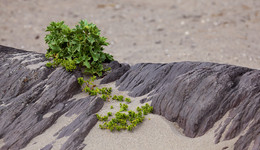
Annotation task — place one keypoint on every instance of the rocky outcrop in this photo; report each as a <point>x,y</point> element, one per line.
<point>196,95</point>
<point>33,97</point>
<point>117,70</point>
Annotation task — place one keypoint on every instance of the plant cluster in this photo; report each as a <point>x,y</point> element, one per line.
<point>120,98</point>
<point>92,90</point>
<point>121,121</point>
<point>81,46</point>
<point>105,92</point>
<point>125,121</point>
<point>123,107</point>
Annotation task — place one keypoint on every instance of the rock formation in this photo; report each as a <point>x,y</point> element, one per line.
<point>196,95</point>
<point>33,97</point>
<point>193,94</point>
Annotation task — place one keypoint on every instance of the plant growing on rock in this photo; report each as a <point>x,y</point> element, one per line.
<point>81,46</point>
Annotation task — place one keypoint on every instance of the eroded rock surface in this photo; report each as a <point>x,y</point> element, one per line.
<point>33,97</point>
<point>196,95</point>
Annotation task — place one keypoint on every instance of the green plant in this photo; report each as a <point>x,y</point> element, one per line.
<point>126,121</point>
<point>92,90</point>
<point>80,81</point>
<point>138,109</point>
<point>81,46</point>
<point>123,107</point>
<point>105,90</point>
<point>128,100</point>
<point>114,97</point>
<point>120,98</point>
<point>49,64</point>
<point>100,118</point>
<point>109,114</point>
<point>111,107</point>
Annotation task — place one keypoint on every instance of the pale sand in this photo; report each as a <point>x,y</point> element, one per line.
<point>48,137</point>
<point>1,142</point>
<point>154,133</point>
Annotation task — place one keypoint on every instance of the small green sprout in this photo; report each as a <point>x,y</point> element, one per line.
<point>120,98</point>
<point>128,100</point>
<point>105,118</point>
<point>138,109</point>
<point>114,97</point>
<point>109,114</point>
<point>111,107</point>
<point>49,64</point>
<point>104,97</point>
<point>80,81</point>
<point>123,107</point>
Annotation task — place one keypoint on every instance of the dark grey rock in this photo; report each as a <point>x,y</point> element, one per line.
<point>196,95</point>
<point>29,90</point>
<point>117,70</point>
<point>47,147</point>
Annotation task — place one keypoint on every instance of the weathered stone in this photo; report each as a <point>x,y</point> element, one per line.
<point>196,95</point>
<point>193,94</point>
<point>117,70</point>
<point>29,91</point>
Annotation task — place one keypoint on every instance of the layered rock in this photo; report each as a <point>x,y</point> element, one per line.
<point>194,94</point>
<point>33,97</point>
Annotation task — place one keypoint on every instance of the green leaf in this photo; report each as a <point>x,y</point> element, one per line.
<point>86,63</point>
<point>94,55</point>
<point>91,40</point>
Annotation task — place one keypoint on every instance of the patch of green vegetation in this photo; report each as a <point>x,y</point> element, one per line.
<point>125,121</point>
<point>81,46</point>
<point>123,107</point>
<point>120,98</point>
<point>128,100</point>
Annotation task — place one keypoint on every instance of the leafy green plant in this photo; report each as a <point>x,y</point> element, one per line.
<point>111,107</point>
<point>81,46</point>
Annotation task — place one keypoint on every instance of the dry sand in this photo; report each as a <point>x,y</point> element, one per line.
<point>154,133</point>
<point>223,31</point>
